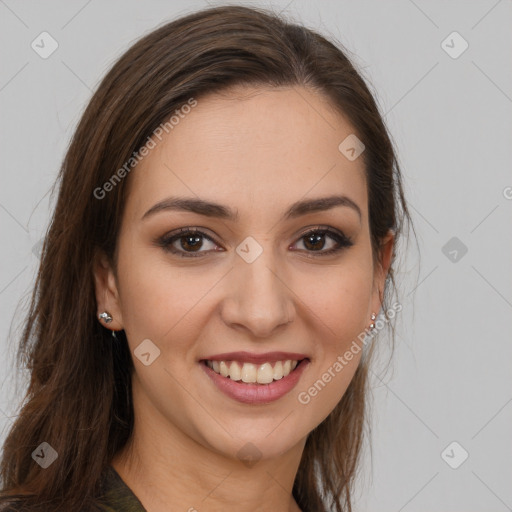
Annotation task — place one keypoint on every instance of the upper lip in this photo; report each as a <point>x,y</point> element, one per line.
<point>249,357</point>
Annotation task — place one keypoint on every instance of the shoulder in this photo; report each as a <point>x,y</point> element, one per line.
<point>114,496</point>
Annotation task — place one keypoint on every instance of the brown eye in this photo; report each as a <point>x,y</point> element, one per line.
<point>187,242</point>
<point>316,241</point>
<point>191,242</point>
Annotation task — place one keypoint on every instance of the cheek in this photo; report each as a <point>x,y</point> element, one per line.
<point>340,308</point>
<point>339,298</point>
<point>160,301</point>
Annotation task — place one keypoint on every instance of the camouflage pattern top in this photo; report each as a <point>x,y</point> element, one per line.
<point>117,496</point>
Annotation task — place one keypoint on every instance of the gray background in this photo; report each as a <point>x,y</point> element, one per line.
<point>450,377</point>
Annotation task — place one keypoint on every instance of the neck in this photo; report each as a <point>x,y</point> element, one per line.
<point>164,466</point>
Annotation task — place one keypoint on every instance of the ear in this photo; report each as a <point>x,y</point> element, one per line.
<point>107,295</point>
<point>381,270</point>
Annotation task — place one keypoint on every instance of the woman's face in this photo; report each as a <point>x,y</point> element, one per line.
<point>253,279</point>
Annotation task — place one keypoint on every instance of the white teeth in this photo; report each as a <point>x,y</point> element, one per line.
<point>250,373</point>
<point>224,370</point>
<point>265,374</point>
<point>235,372</point>
<point>278,370</point>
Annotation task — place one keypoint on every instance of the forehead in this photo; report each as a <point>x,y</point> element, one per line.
<point>251,148</point>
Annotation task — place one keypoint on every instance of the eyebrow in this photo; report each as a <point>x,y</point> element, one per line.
<point>210,209</point>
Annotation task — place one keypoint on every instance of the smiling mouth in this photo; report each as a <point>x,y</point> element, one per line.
<point>251,373</point>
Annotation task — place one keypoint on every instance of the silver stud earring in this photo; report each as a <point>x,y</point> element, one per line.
<point>372,325</point>
<point>105,316</point>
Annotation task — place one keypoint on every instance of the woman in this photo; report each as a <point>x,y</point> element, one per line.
<point>206,307</point>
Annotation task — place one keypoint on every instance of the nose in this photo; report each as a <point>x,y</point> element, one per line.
<point>257,297</point>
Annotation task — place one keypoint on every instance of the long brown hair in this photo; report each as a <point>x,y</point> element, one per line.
<point>79,395</point>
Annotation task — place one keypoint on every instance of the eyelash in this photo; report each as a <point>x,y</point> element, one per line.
<point>167,240</point>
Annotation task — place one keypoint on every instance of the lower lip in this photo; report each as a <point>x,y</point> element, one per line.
<point>256,393</point>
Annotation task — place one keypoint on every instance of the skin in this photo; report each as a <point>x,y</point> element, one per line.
<point>256,151</point>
